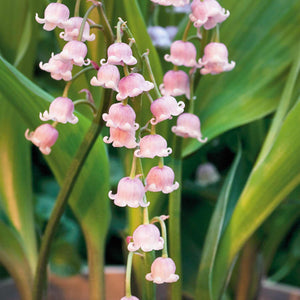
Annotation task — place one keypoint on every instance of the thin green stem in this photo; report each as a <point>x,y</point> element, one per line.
<point>119,35</point>
<point>126,71</point>
<point>84,20</point>
<point>149,97</point>
<point>145,213</point>
<point>63,196</point>
<point>86,102</point>
<point>186,30</point>
<point>163,234</point>
<point>161,162</point>
<point>190,103</point>
<point>77,8</point>
<point>133,167</point>
<point>66,89</point>
<point>97,26</point>
<point>128,274</point>
<point>108,32</point>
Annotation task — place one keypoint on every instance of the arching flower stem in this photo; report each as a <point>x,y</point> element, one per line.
<point>77,8</point>
<point>86,102</point>
<point>108,32</point>
<point>163,233</point>
<point>186,31</point>
<point>128,274</point>
<point>85,19</point>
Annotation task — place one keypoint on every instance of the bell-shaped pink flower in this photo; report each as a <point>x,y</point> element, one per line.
<point>175,83</point>
<point>58,68</point>
<point>108,76</point>
<point>120,54</point>
<point>130,192</point>
<point>72,28</point>
<point>162,270</point>
<point>121,116</point>
<point>182,54</point>
<point>171,2</point>
<point>55,15</point>
<point>188,125</point>
<point>153,145</point>
<point>75,51</point>
<point>133,85</point>
<point>60,110</point>
<point>43,137</point>
<point>164,108</point>
<point>121,138</point>
<point>215,59</point>
<point>161,179</point>
<point>130,298</point>
<point>207,13</point>
<point>146,237</point>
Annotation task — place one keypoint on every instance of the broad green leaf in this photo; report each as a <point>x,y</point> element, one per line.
<point>215,230</point>
<point>89,199</point>
<point>15,179</point>
<point>14,258</point>
<point>263,47</point>
<point>269,183</point>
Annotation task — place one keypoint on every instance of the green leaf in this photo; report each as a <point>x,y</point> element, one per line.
<point>14,259</point>
<point>88,200</point>
<point>269,183</point>
<point>263,47</point>
<point>216,227</point>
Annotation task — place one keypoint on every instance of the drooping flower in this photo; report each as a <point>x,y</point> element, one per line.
<point>130,298</point>
<point>133,85</point>
<point>130,192</point>
<point>207,13</point>
<point>172,2</point>
<point>188,125</point>
<point>75,51</point>
<point>121,138</point>
<point>61,110</point>
<point>43,137</point>
<point>58,68</point>
<point>162,270</point>
<point>72,29</point>
<point>146,237</point>
<point>215,59</point>
<point>108,76</point>
<point>164,108</point>
<point>161,179</point>
<point>55,15</point>
<point>182,54</point>
<point>207,174</point>
<point>175,83</point>
<point>153,145</point>
<point>120,54</point>
<point>121,116</point>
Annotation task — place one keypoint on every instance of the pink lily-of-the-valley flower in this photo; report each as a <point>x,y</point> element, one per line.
<point>120,54</point>
<point>188,125</point>
<point>207,13</point>
<point>130,192</point>
<point>153,145</point>
<point>162,270</point>
<point>55,15</point>
<point>61,110</point>
<point>147,237</point>
<point>43,137</point>
<point>72,29</point>
<point>172,2</point>
<point>121,138</point>
<point>161,179</point>
<point>108,76</point>
<point>133,85</point>
<point>130,298</point>
<point>215,59</point>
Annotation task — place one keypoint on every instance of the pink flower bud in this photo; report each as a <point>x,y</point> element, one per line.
<point>43,137</point>
<point>153,145</point>
<point>188,125</point>
<point>176,83</point>
<point>146,237</point>
<point>215,59</point>
<point>72,29</point>
<point>75,51</point>
<point>130,298</point>
<point>164,108</point>
<point>60,110</point>
<point>130,192</point>
<point>55,15</point>
<point>182,54</point>
<point>108,76</point>
<point>162,270</point>
<point>207,13</point>
<point>121,116</point>
<point>133,85</point>
<point>171,2</point>
<point>160,179</point>
<point>58,68</point>
<point>120,54</point>
<point>121,138</point>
